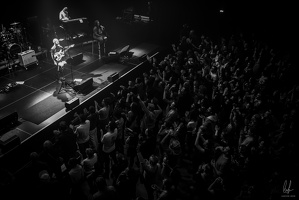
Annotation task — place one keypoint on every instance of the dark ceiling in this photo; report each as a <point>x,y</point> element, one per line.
<point>271,18</point>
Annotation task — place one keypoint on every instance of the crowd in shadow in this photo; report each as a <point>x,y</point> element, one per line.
<point>227,108</point>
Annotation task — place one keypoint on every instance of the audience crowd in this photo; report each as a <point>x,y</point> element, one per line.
<point>210,120</point>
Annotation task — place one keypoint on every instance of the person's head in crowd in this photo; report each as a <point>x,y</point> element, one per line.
<point>151,107</point>
<point>117,114</point>
<point>134,107</point>
<point>154,101</point>
<point>138,80</point>
<point>172,105</point>
<point>82,118</point>
<point>89,152</point>
<point>152,72</point>
<point>227,150</point>
<point>101,183</point>
<point>175,147</point>
<point>62,126</point>
<point>47,145</point>
<point>131,85</point>
<point>149,132</point>
<point>164,65</point>
<point>210,114</point>
<point>111,125</point>
<point>73,162</point>
<point>167,184</point>
<point>153,160</point>
<point>194,113</point>
<point>34,156</point>
<point>134,90</point>
<point>44,176</point>
<point>222,149</point>
<point>91,109</point>
<point>140,198</point>
<point>106,101</point>
<point>167,125</point>
<point>186,85</point>
<point>161,84</point>
<point>145,75</point>
<point>122,102</point>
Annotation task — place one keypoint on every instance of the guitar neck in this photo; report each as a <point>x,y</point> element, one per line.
<point>68,47</point>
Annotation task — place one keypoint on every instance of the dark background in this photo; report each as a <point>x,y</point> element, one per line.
<point>274,21</point>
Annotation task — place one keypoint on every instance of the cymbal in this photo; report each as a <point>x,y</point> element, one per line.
<point>15,23</point>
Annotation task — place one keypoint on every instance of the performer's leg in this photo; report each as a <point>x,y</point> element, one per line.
<point>99,47</point>
<point>59,71</point>
<point>104,48</point>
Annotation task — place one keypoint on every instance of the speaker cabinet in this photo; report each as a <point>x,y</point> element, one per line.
<point>84,84</point>
<point>27,58</point>
<point>124,50</point>
<point>8,122</point>
<point>9,143</point>
<point>113,77</point>
<point>72,103</point>
<point>111,58</point>
<point>74,60</point>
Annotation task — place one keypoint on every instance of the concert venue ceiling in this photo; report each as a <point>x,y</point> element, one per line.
<point>271,17</point>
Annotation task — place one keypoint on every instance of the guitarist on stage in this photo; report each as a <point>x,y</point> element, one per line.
<point>57,55</point>
<point>100,36</point>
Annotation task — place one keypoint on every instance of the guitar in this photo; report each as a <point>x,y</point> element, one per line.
<point>60,54</point>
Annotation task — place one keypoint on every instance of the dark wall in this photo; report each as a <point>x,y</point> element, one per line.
<point>21,9</point>
<point>274,20</point>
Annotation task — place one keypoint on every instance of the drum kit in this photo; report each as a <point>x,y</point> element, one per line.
<point>12,40</point>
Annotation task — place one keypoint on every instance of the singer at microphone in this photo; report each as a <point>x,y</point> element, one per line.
<point>101,37</point>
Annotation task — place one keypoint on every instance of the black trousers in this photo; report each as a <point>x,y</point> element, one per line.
<point>107,157</point>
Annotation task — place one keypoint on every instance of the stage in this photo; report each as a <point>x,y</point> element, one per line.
<point>38,98</point>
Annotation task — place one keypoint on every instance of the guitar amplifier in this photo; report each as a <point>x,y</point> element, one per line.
<point>27,57</point>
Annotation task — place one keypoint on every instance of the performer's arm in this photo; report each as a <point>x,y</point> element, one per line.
<point>61,16</point>
<point>52,56</point>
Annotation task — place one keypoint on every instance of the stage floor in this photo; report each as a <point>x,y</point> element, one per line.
<point>37,98</point>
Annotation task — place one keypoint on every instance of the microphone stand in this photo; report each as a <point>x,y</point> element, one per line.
<point>69,61</point>
<point>72,82</point>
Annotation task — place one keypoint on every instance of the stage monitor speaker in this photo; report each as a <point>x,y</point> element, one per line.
<point>76,59</point>
<point>69,105</point>
<point>113,77</point>
<point>124,50</point>
<point>9,122</point>
<point>84,84</point>
<point>8,143</point>
<point>110,58</point>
